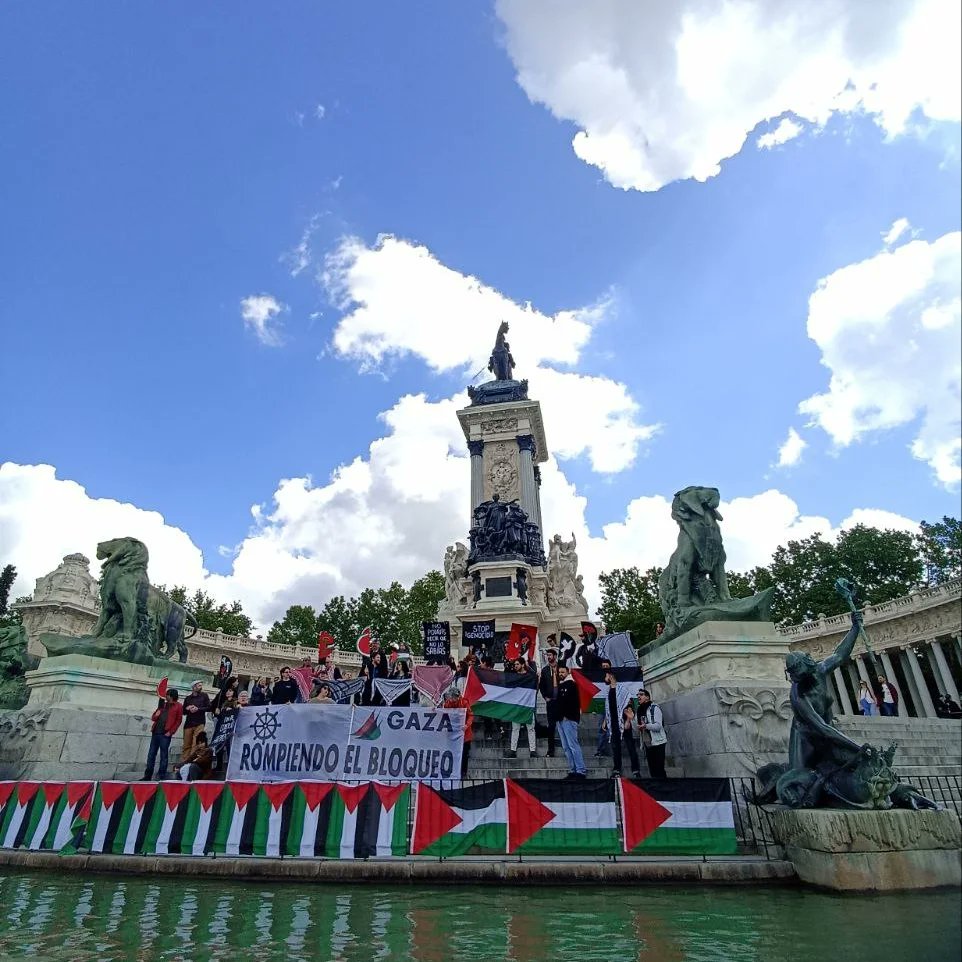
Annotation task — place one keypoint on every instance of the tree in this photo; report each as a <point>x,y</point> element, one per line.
<point>297,627</point>
<point>339,618</point>
<point>7,577</point>
<point>629,602</point>
<point>940,545</point>
<point>885,564</point>
<point>744,585</point>
<point>209,615</point>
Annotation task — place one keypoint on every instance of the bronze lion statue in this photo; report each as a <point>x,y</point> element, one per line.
<point>134,615</point>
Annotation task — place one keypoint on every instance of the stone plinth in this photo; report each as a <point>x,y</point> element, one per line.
<point>103,685</point>
<point>715,651</point>
<point>68,743</point>
<point>870,850</point>
<point>724,695</point>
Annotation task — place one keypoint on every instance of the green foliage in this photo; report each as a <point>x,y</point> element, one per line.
<point>297,627</point>
<point>940,545</point>
<point>209,615</point>
<point>7,577</point>
<point>12,617</point>
<point>394,613</point>
<point>629,602</point>
<point>886,564</point>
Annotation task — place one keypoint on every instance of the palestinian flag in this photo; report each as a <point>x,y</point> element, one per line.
<point>504,695</point>
<point>182,819</point>
<point>62,802</point>
<point>366,820</point>
<point>593,689</point>
<point>460,821</point>
<point>237,807</point>
<point>562,817</point>
<point>110,813</point>
<point>684,816</point>
<point>22,811</point>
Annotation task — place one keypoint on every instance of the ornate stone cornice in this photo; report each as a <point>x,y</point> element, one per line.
<point>476,448</point>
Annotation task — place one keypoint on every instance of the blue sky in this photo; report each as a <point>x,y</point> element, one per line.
<point>160,170</point>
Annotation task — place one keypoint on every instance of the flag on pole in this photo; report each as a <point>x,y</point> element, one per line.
<point>521,642</point>
<point>325,645</point>
<point>364,642</point>
<point>504,695</point>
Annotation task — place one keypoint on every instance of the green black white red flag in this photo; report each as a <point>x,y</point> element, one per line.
<point>471,820</point>
<point>678,816</point>
<point>504,695</point>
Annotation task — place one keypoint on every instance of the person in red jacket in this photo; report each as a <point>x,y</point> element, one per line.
<point>456,700</point>
<point>164,723</point>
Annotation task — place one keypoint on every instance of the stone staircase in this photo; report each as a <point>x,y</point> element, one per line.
<point>926,746</point>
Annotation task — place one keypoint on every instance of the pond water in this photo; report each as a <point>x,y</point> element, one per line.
<point>74,918</point>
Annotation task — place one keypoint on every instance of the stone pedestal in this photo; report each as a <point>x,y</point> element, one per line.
<point>87,718</point>
<point>724,695</point>
<point>871,851</point>
<point>103,685</point>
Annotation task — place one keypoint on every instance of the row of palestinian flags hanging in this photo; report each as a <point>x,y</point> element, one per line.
<point>525,816</point>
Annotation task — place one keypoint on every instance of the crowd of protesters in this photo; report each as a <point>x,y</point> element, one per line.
<point>638,724</point>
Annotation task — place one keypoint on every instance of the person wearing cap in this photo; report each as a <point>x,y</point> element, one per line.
<point>164,723</point>
<point>548,686</point>
<point>651,725</point>
<point>196,706</point>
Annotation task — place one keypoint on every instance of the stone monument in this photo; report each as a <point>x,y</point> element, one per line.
<point>91,696</point>
<point>718,670</point>
<point>503,572</point>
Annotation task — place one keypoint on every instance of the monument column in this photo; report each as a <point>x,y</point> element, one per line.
<point>844,704</point>
<point>537,497</point>
<point>929,646</point>
<point>862,670</point>
<point>476,450</point>
<point>529,490</point>
<point>909,682</point>
<point>947,680</point>
<point>911,660</point>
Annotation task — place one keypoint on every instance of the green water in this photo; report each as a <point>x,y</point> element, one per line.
<point>71,918</point>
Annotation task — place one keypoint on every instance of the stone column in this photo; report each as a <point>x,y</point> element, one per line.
<point>537,496</point>
<point>476,450</point>
<point>862,670</point>
<point>948,681</point>
<point>910,683</point>
<point>929,646</point>
<point>529,491</point>
<point>925,699</point>
<point>844,704</point>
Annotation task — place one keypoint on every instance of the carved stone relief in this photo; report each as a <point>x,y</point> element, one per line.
<point>501,471</point>
<point>499,425</point>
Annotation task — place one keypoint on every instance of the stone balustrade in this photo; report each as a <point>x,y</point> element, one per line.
<point>915,642</point>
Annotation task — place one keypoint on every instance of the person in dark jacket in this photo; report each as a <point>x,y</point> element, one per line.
<point>622,735</point>
<point>286,690</point>
<point>548,686</point>
<point>261,692</point>
<point>196,706</point>
<point>199,763</point>
<point>568,707</point>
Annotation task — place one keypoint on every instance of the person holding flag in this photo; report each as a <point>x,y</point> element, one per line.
<point>164,723</point>
<point>622,736</point>
<point>520,667</point>
<point>569,716</point>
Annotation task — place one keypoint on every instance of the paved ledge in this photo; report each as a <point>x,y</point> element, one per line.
<point>466,871</point>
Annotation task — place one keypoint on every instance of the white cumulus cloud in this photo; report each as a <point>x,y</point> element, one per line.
<point>790,453</point>
<point>897,230</point>
<point>786,130</point>
<point>397,300</point>
<point>260,313</point>
<point>667,91</point>
<point>889,329</point>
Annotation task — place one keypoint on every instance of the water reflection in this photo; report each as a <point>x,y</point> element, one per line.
<point>70,918</point>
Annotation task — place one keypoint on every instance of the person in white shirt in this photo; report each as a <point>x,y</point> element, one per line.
<point>866,700</point>
<point>889,696</point>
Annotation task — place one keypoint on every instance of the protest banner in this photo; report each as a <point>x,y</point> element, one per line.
<point>437,642</point>
<point>333,743</point>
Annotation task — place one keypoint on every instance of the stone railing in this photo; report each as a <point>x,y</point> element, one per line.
<point>253,655</point>
<point>922,614</point>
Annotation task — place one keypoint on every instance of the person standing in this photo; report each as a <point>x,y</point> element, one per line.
<point>285,691</point>
<point>548,686</point>
<point>621,730</point>
<point>455,699</point>
<point>866,700</point>
<point>568,707</point>
<point>164,723</point>
<point>261,692</point>
<point>889,700</point>
<point>196,706</point>
<point>520,667</point>
<point>651,724</point>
